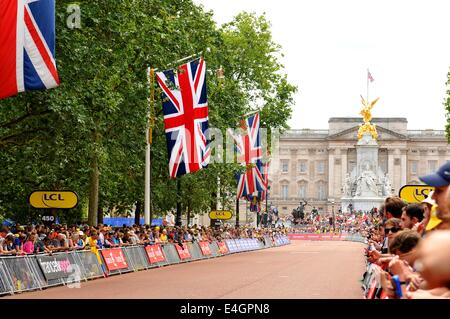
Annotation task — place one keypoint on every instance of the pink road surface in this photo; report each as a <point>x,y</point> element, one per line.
<point>304,269</point>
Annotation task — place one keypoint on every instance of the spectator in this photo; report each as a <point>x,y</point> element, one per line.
<point>163,237</point>
<point>7,246</point>
<point>440,180</point>
<point>391,228</point>
<point>404,245</point>
<point>433,264</point>
<point>28,246</point>
<point>411,216</point>
<point>427,204</point>
<point>393,207</point>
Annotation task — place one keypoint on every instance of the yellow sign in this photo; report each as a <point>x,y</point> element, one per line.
<point>221,214</point>
<point>53,199</point>
<point>415,193</point>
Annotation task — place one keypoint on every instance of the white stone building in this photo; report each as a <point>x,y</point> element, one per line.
<point>312,164</point>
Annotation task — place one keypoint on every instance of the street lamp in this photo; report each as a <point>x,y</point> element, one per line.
<point>332,211</point>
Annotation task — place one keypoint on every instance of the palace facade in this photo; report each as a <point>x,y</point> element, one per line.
<point>312,164</point>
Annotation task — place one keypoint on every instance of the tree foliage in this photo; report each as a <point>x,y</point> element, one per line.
<point>96,120</point>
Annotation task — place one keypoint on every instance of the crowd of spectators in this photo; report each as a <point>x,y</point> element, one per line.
<point>32,239</point>
<point>350,223</point>
<point>411,243</point>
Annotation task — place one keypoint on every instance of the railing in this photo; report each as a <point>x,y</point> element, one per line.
<point>36,272</point>
<point>305,133</point>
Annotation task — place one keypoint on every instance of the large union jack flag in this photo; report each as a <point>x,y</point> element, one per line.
<point>248,147</point>
<point>185,108</point>
<point>27,46</point>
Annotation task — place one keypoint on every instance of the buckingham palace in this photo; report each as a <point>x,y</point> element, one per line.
<point>312,164</point>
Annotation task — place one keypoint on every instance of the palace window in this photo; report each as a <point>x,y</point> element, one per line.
<point>302,167</point>
<point>432,166</point>
<point>414,165</point>
<point>284,191</point>
<point>321,192</point>
<point>284,166</point>
<point>320,167</point>
<point>302,191</point>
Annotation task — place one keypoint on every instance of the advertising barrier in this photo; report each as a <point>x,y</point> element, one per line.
<point>55,267</point>
<point>114,259</point>
<point>204,246</point>
<point>232,246</point>
<point>223,249</point>
<point>183,251</point>
<point>34,272</point>
<point>155,253</point>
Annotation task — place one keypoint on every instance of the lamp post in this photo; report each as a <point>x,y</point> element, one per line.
<point>334,217</point>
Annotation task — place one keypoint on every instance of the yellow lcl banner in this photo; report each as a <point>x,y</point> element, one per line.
<point>53,199</point>
<point>220,214</point>
<point>415,193</point>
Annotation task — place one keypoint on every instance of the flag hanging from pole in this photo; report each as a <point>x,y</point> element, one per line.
<point>185,108</point>
<point>27,46</point>
<point>369,76</point>
<point>248,147</point>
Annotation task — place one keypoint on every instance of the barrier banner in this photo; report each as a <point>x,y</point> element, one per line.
<point>204,246</point>
<point>315,237</point>
<point>222,247</point>
<point>154,253</point>
<point>232,245</point>
<point>373,287</point>
<point>55,267</point>
<point>114,259</point>
<point>183,252</point>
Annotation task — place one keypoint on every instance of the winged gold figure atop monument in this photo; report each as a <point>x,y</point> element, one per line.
<point>367,127</point>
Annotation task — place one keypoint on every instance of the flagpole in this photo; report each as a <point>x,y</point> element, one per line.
<point>178,221</point>
<point>237,211</point>
<point>147,191</point>
<point>367,85</point>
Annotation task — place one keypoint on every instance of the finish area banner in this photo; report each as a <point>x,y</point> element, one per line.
<point>316,237</point>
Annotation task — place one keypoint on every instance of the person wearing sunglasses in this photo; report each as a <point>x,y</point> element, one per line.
<point>391,227</point>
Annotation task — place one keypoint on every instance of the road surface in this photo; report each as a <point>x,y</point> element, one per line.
<point>304,269</point>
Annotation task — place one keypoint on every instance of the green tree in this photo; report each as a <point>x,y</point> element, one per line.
<point>88,135</point>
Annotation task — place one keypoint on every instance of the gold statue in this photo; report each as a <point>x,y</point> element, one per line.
<point>367,127</point>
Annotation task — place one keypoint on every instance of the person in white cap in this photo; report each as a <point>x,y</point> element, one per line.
<point>427,204</point>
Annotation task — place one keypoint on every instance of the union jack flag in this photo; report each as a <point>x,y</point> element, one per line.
<point>369,76</point>
<point>27,46</point>
<point>248,147</point>
<point>185,108</point>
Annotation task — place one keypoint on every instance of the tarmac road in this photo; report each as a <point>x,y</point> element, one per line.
<point>304,269</point>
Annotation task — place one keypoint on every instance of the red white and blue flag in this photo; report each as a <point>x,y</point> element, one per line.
<point>369,76</point>
<point>185,108</point>
<point>248,147</point>
<point>27,46</point>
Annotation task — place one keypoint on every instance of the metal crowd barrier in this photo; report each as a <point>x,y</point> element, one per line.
<point>195,251</point>
<point>214,249</point>
<point>171,254</point>
<point>35,272</point>
<point>137,257</point>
